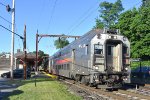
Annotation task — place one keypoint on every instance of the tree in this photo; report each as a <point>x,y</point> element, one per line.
<point>61,42</point>
<point>135,25</point>
<point>40,53</point>
<point>109,14</point>
<point>145,3</point>
<point>42,57</point>
<point>99,24</point>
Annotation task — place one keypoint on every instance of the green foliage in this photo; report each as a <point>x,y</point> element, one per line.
<point>43,58</point>
<point>40,53</point>
<point>109,14</point>
<point>61,42</point>
<point>135,25</point>
<point>145,3</point>
<point>99,24</point>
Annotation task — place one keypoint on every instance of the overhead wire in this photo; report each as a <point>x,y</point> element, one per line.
<point>83,20</point>
<point>134,5</point>
<point>12,32</point>
<point>88,16</point>
<point>53,10</point>
<point>41,11</point>
<point>85,13</point>
<point>2,4</point>
<point>5,20</point>
<point>18,38</point>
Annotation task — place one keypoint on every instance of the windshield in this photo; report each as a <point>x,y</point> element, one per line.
<point>98,49</point>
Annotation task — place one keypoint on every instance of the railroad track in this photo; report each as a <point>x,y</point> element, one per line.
<point>147,85</point>
<point>114,95</point>
<point>104,95</point>
<point>133,94</point>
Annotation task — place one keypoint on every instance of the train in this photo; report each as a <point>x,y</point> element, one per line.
<point>100,58</point>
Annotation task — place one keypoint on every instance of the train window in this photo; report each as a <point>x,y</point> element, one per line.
<point>64,66</point>
<point>125,50</point>
<point>86,50</point>
<point>59,66</point>
<point>109,50</point>
<point>56,67</point>
<point>68,67</point>
<point>98,49</point>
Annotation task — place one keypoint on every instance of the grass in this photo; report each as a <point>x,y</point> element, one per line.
<point>46,89</point>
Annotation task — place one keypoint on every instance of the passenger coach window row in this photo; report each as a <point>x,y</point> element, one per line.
<point>63,67</point>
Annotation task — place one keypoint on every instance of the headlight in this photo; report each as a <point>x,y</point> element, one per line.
<point>96,67</point>
<point>126,68</point>
<point>125,78</point>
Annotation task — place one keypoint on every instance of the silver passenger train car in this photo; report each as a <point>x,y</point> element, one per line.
<point>99,58</point>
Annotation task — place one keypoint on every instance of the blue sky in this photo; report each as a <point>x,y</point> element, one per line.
<point>71,17</point>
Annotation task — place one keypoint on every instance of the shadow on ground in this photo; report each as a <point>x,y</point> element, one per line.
<point>7,94</point>
<point>12,85</point>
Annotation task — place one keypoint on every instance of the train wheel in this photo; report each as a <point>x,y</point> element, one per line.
<point>91,84</point>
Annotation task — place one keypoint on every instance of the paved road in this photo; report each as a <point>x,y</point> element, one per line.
<point>4,69</point>
<point>5,89</point>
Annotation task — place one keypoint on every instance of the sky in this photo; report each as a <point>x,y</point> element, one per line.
<point>69,17</point>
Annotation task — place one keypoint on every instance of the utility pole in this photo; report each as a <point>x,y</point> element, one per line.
<point>12,40</point>
<point>25,54</point>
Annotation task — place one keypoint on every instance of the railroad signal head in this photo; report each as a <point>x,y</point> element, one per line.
<point>8,8</point>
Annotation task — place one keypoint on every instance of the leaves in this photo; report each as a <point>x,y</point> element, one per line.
<point>145,3</point>
<point>61,42</point>
<point>109,14</point>
<point>135,25</point>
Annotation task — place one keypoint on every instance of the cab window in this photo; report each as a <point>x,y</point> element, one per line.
<point>98,49</point>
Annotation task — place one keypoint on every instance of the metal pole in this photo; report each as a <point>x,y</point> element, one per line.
<point>49,65</point>
<point>25,54</point>
<point>37,51</point>
<point>12,41</point>
<point>36,57</point>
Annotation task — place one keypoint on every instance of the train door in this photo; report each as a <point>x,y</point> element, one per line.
<point>73,60</point>
<point>113,56</point>
<point>98,57</point>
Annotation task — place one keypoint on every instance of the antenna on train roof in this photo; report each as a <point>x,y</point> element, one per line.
<point>118,31</point>
<point>104,30</point>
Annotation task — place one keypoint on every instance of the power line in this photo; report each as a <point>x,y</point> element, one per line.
<point>53,10</point>
<point>5,19</point>
<point>134,5</point>
<point>2,4</point>
<point>12,32</point>
<point>41,11</point>
<point>18,39</point>
<point>84,14</point>
<point>83,20</point>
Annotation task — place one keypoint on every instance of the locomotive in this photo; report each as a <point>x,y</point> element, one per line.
<point>99,58</point>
